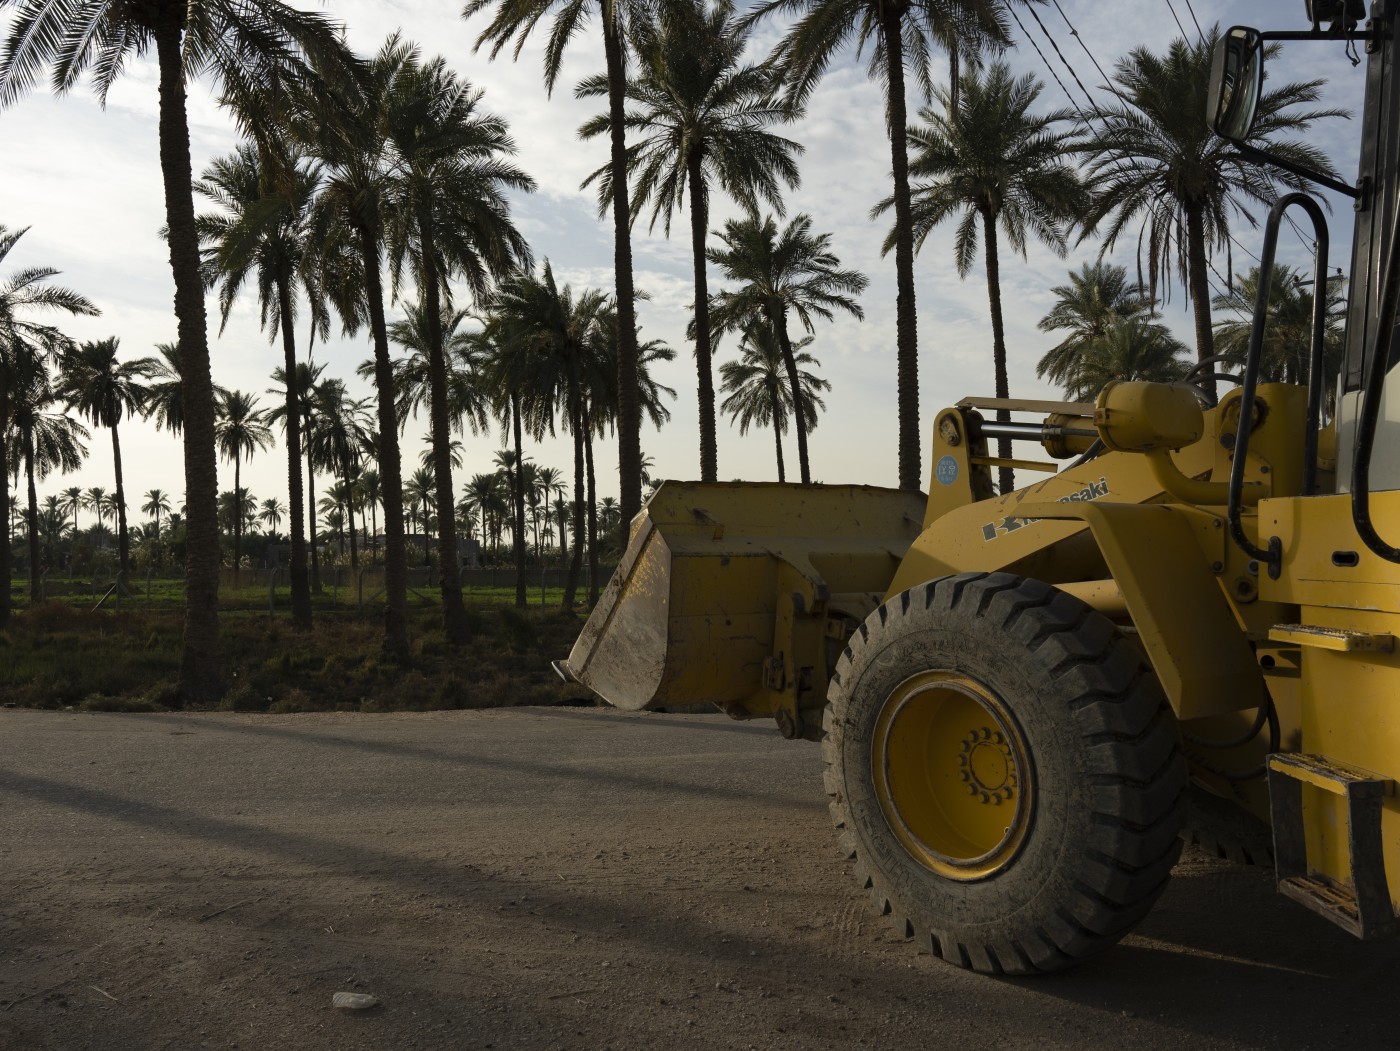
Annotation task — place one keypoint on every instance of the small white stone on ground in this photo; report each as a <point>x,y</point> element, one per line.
<point>354,1001</point>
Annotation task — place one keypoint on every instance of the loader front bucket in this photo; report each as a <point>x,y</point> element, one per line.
<point>738,594</point>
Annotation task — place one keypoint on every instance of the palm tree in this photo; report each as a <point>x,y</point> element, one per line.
<point>305,377</point>
<point>370,489</point>
<point>899,33</point>
<point>349,134</point>
<point>165,390</point>
<point>43,442</point>
<point>995,164</point>
<point>514,20</point>
<point>72,501</point>
<point>792,271</point>
<point>703,119</point>
<point>336,439</point>
<point>24,342</point>
<point>103,389</point>
<point>95,500</point>
<point>251,49</point>
<point>271,514</point>
<point>599,410</point>
<point>261,232</point>
<point>1153,160</point>
<point>451,217</point>
<point>1093,300</point>
<point>157,502</point>
<point>540,337</point>
<point>482,493</point>
<point>758,389</point>
<point>1288,330</point>
<point>241,430</point>
<point>1131,348</point>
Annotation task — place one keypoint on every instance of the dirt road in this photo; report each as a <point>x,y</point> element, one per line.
<point>554,878</point>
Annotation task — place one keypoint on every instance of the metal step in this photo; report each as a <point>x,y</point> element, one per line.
<point>1364,908</point>
<point>1339,640</point>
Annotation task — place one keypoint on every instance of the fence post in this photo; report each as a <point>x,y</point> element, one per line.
<point>360,590</point>
<point>271,591</point>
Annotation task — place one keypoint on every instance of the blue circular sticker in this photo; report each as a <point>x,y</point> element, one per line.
<point>946,471</point>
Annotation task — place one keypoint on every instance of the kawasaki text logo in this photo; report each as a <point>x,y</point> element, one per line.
<point>1011,523</point>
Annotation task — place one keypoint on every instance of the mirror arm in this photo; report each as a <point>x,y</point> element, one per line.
<point>1259,156</point>
<point>1358,35</point>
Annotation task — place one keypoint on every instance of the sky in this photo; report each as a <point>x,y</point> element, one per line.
<point>86,182</point>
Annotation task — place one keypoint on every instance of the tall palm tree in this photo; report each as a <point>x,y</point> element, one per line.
<point>451,171</point>
<point>24,342</point>
<point>1096,297</point>
<point>514,20</point>
<point>699,117</point>
<point>1287,347</point>
<point>994,164</point>
<point>102,389</point>
<point>271,514</point>
<point>599,410</point>
<point>337,438</point>
<point>241,430</point>
<point>42,442</point>
<point>540,337</point>
<point>95,500</point>
<point>900,33</point>
<point>72,502</point>
<point>349,134</point>
<point>791,271</point>
<point>260,232</point>
<point>1162,175</point>
<point>157,503</point>
<point>758,389</point>
<point>482,492</point>
<point>305,377</point>
<point>251,50</point>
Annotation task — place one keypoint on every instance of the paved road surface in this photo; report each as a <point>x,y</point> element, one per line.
<point>554,878</point>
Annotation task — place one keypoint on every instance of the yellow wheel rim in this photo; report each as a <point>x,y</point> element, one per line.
<point>952,775</point>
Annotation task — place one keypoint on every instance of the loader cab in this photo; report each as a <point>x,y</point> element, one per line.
<point>1367,415</point>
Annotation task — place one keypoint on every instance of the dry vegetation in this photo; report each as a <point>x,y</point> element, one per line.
<point>56,655</point>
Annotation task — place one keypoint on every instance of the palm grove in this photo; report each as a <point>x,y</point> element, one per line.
<point>369,185</point>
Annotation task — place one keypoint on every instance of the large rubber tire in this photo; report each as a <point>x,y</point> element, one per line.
<point>1074,724</point>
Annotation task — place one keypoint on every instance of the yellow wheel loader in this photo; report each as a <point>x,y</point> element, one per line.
<point>1025,700</point>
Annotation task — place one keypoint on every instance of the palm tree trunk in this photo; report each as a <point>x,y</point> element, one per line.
<point>709,449</point>
<point>33,523</point>
<point>454,614</point>
<point>349,514</point>
<point>906,332</point>
<point>6,558</point>
<point>395,563</point>
<point>296,560</point>
<point>576,559</point>
<point>563,533</point>
<point>799,418</point>
<point>1006,480</point>
<point>237,520</point>
<point>518,516</point>
<point>629,412</point>
<point>200,679</point>
<point>1197,266</point>
<point>592,513</point>
<point>777,411</point>
<point>311,522</point>
<point>123,543</point>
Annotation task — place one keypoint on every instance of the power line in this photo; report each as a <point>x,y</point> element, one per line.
<point>1192,11</point>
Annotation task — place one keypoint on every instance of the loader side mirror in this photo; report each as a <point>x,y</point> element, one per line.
<point>1236,82</point>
